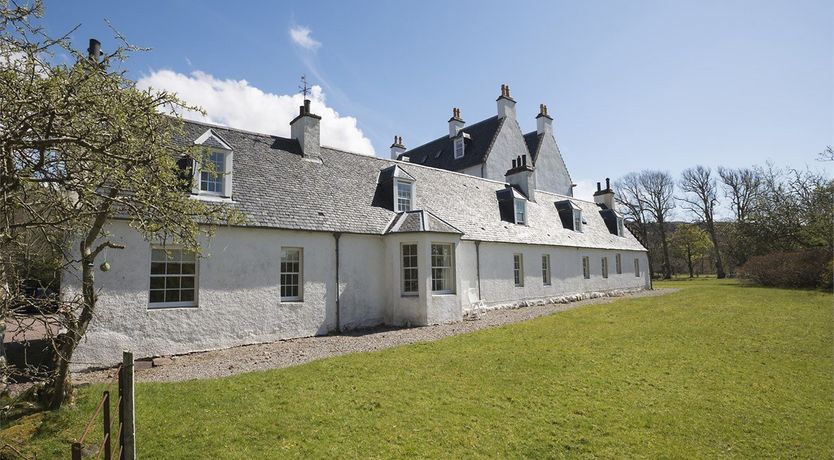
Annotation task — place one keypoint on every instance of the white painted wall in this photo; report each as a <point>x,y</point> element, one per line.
<point>239,296</point>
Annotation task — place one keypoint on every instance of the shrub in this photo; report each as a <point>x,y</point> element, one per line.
<point>809,268</point>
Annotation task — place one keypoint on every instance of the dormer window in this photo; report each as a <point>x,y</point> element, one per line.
<point>520,211</point>
<point>213,168</point>
<point>620,227</point>
<point>404,199</point>
<point>213,172</point>
<point>577,220</point>
<point>459,148</point>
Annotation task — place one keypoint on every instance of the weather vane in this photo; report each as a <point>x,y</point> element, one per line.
<point>303,88</point>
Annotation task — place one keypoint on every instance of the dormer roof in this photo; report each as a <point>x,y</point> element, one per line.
<point>419,221</point>
<point>211,139</point>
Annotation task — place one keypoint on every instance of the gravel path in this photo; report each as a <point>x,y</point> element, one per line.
<point>285,353</point>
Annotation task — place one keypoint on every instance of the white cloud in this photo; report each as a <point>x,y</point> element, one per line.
<point>300,35</point>
<point>238,104</point>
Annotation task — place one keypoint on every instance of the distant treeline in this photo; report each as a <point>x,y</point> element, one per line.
<point>779,232</point>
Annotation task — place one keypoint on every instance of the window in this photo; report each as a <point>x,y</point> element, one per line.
<point>173,278</point>
<point>620,228</point>
<point>292,279</point>
<point>637,267</point>
<point>546,269</point>
<point>405,193</point>
<point>577,220</point>
<point>520,212</point>
<point>442,269</point>
<point>518,270</point>
<point>586,268</point>
<point>409,269</point>
<point>618,261</point>
<point>212,181</point>
<point>459,148</point>
<point>605,267</point>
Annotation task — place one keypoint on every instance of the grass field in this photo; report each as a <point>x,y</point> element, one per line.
<point>715,370</point>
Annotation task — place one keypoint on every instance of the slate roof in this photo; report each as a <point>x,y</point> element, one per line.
<point>275,187</point>
<point>439,153</point>
<point>419,221</point>
<point>533,139</point>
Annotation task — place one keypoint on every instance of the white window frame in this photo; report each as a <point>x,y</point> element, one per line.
<point>636,267</point>
<point>618,262</point>
<point>604,267</point>
<point>228,172</point>
<point>546,276</point>
<point>411,199</point>
<point>518,270</point>
<point>577,220</point>
<point>520,205</point>
<point>415,269</point>
<point>300,274</point>
<point>586,267</point>
<point>451,269</point>
<point>196,276</point>
<point>460,148</point>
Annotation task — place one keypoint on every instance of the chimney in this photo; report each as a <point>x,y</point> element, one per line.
<point>521,175</point>
<point>456,123</point>
<point>94,51</point>
<point>397,148</point>
<point>506,104</point>
<point>544,123</point>
<point>305,128</point>
<point>605,196</point>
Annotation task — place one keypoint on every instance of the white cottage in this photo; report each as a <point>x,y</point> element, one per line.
<point>335,240</point>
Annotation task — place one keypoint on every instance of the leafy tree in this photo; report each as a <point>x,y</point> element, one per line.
<point>701,197</point>
<point>82,146</point>
<point>690,243</point>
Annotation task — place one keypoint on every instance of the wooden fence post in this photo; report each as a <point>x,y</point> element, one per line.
<point>76,451</point>
<point>128,422</point>
<point>107,450</point>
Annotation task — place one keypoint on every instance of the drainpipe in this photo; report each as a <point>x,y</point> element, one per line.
<point>478,266</point>
<point>336,236</point>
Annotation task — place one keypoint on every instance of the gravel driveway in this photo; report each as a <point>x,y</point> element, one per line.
<point>284,353</point>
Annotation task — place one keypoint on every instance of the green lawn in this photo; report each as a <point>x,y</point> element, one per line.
<point>715,370</point>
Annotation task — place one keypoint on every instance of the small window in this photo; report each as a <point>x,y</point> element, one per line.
<point>620,227</point>
<point>405,195</point>
<point>409,269</point>
<point>618,261</point>
<point>212,180</point>
<point>520,211</point>
<point>586,267</point>
<point>637,267</point>
<point>518,270</point>
<point>459,147</point>
<point>605,267</point>
<point>577,220</point>
<point>173,278</point>
<point>546,269</point>
<point>292,279</point>
<point>442,268</point>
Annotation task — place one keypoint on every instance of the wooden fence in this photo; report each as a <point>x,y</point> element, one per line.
<point>124,445</point>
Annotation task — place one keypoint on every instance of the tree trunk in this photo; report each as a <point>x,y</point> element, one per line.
<point>59,389</point>
<point>689,261</point>
<point>667,264</point>
<point>719,265</point>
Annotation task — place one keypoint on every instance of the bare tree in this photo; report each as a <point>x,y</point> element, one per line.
<point>826,155</point>
<point>740,186</point>
<point>701,196</point>
<point>630,197</point>
<point>658,189</point>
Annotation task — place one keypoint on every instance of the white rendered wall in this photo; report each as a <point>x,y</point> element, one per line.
<point>508,145</point>
<point>238,294</point>
<point>497,283</point>
<point>551,172</point>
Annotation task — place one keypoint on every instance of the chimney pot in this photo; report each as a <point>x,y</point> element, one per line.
<point>94,51</point>
<point>607,183</point>
<point>599,186</point>
<point>524,160</point>
<point>514,165</point>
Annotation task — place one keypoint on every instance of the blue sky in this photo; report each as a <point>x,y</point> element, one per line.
<point>631,84</point>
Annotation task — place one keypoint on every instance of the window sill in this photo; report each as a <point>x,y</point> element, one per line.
<point>172,307</point>
<point>443,293</point>
<point>290,301</point>
<point>211,197</point>
<point>410,294</point>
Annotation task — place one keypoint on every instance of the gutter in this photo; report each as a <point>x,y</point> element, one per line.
<point>336,236</point>
<point>478,266</point>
